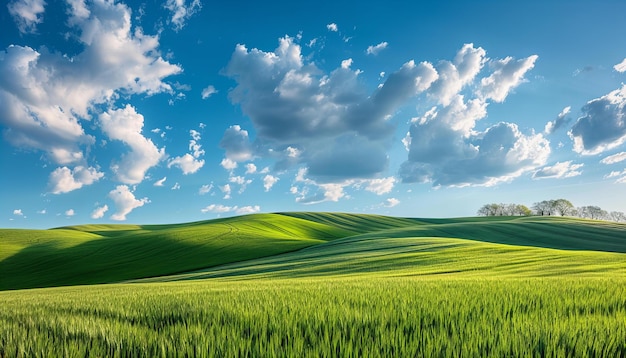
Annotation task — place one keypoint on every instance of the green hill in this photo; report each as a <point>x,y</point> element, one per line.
<point>90,254</point>
<point>296,244</point>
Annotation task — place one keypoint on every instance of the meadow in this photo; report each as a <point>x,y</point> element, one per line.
<point>352,285</point>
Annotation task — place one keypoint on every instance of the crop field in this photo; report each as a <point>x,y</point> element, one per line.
<point>344,285</point>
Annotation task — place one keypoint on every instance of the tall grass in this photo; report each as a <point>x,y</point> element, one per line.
<point>364,317</point>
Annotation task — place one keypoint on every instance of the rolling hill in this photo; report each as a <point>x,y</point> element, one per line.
<point>310,244</point>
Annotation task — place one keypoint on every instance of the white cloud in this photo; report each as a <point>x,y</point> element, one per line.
<point>332,27</point>
<point>380,186</point>
<point>250,168</point>
<point>205,189</point>
<point>64,180</point>
<point>559,170</point>
<point>236,144</point>
<point>248,210</point>
<point>603,124</point>
<point>508,74</point>
<point>18,212</point>
<point>187,163</point>
<point>391,202</point>
<point>560,120</point>
<point>217,208</point>
<point>226,190</point>
<point>330,118</point>
<point>181,11</point>
<point>614,174</point>
<point>176,186</point>
<point>125,202</point>
<point>376,49</point>
<point>620,67</point>
<point>126,125</point>
<point>70,212</point>
<point>221,209</point>
<point>42,212</point>
<point>241,181</point>
<point>444,146</point>
<point>190,163</point>
<point>27,14</point>
<point>269,181</point>
<point>45,95</point>
<point>208,91</point>
<point>228,164</point>
<point>99,212</point>
<point>345,64</point>
<point>160,182</point>
<point>615,158</point>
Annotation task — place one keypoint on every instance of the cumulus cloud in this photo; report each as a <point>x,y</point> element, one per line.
<point>250,168</point>
<point>27,14</point>
<point>620,67</point>
<point>205,189</point>
<point>269,181</point>
<point>559,170</point>
<point>380,186</point>
<point>603,124</point>
<point>190,162</point>
<point>208,92</point>
<point>64,179</point>
<point>226,190</point>
<point>125,202</point>
<point>99,212</point>
<point>187,163</point>
<point>181,11</point>
<point>160,182</point>
<point>391,202</point>
<point>18,212</point>
<point>44,95</point>
<point>376,49</point>
<point>507,74</point>
<point>217,208</point>
<point>559,122</point>
<point>615,158</point>
<point>236,144</point>
<point>340,131</point>
<point>221,209</point>
<point>126,125</point>
<point>444,146</point>
<point>228,164</point>
<point>332,27</point>
<point>70,212</point>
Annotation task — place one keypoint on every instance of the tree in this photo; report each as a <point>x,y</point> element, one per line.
<point>542,208</point>
<point>592,212</point>
<point>562,206</point>
<point>522,210</point>
<point>617,216</point>
<point>489,210</point>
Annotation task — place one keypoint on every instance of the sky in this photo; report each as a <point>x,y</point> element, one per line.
<point>169,111</point>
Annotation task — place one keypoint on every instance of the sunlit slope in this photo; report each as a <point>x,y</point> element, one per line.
<point>424,249</point>
<point>549,232</point>
<point>107,253</point>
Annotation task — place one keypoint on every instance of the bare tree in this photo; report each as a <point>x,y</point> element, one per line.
<point>562,206</point>
<point>592,212</point>
<point>542,208</point>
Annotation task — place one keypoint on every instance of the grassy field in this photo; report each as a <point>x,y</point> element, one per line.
<point>318,285</point>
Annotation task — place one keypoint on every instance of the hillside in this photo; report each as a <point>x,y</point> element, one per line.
<point>90,254</point>
<point>309,244</point>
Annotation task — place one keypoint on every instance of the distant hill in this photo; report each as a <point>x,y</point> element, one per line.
<point>293,244</point>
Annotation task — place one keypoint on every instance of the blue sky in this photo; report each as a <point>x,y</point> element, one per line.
<point>177,110</point>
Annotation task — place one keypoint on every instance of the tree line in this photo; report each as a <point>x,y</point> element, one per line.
<point>558,207</point>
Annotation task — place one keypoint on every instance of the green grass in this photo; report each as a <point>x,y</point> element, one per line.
<point>318,285</point>
<point>108,253</point>
<point>331,317</point>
